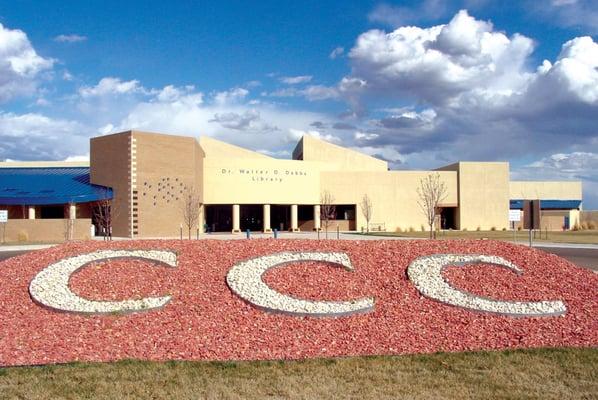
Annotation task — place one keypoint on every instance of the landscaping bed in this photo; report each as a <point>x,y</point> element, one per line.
<point>205,320</point>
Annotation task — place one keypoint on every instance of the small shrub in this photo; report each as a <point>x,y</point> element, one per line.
<point>478,229</point>
<point>592,225</point>
<point>423,228</point>
<point>519,228</point>
<point>398,229</point>
<point>22,236</point>
<point>584,226</point>
<point>464,229</point>
<point>504,229</point>
<point>411,229</point>
<point>493,228</point>
<point>575,227</point>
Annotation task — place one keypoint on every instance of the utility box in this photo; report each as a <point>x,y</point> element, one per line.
<point>531,214</point>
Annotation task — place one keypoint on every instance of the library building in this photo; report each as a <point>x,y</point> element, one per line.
<point>146,179</point>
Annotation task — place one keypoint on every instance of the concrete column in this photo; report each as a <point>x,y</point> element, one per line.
<point>317,222</point>
<point>31,212</point>
<point>267,227</point>
<point>294,221</point>
<point>236,218</point>
<point>73,211</point>
<point>202,219</point>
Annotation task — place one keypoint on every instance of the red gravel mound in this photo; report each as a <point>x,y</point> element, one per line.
<point>206,321</point>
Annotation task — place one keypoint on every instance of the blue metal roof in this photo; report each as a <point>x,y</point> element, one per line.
<point>549,204</point>
<point>52,185</point>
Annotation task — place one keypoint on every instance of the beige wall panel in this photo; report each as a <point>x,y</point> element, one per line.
<point>167,168</point>
<point>45,230</point>
<point>110,163</point>
<point>483,194</point>
<point>393,195</point>
<point>531,190</point>
<point>214,148</point>
<point>256,181</point>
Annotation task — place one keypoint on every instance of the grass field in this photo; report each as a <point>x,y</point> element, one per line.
<point>583,237</point>
<point>520,374</point>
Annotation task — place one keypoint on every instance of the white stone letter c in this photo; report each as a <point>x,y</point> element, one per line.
<point>245,280</point>
<point>50,287</point>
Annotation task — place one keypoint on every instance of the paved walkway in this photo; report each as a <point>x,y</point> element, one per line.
<point>585,255</point>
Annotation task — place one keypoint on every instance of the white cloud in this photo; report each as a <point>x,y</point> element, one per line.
<point>295,134</point>
<point>35,136</point>
<point>111,86</point>
<point>365,136</point>
<point>230,96</point>
<point>248,120</point>
<point>337,52</point>
<point>295,80</point>
<point>73,38</point>
<point>77,158</point>
<point>311,92</point>
<point>20,65</point>
<point>442,62</point>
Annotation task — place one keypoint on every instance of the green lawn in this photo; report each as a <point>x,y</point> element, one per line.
<point>522,374</point>
<point>583,237</point>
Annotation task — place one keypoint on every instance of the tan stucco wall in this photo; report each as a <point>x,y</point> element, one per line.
<point>110,166</point>
<point>393,195</point>
<point>44,230</point>
<point>483,194</point>
<point>532,190</point>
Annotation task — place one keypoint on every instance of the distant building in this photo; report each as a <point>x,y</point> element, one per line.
<point>147,174</point>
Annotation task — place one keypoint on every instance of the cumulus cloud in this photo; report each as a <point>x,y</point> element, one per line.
<point>478,94</point>
<point>34,136</point>
<point>72,38</point>
<point>439,63</point>
<point>20,65</point>
<point>295,80</point>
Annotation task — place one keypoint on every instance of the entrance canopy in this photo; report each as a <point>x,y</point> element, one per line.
<point>53,185</point>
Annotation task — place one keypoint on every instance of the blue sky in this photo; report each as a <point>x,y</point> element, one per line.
<point>421,84</point>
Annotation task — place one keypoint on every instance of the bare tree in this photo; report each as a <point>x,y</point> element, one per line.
<point>103,214</point>
<point>190,209</point>
<point>431,192</point>
<point>366,209</point>
<point>327,209</point>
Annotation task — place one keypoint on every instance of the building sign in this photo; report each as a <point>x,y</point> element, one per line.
<point>514,215</point>
<point>3,215</point>
<point>265,174</point>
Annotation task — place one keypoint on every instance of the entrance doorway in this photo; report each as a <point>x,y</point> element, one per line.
<point>219,217</point>
<point>448,218</point>
<point>280,217</point>
<point>251,217</point>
